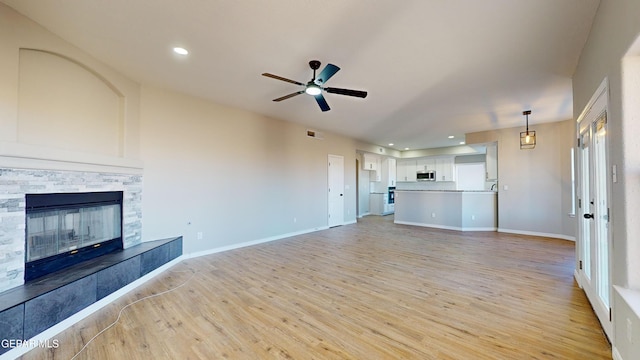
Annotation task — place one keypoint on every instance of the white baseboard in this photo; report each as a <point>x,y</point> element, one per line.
<point>535,233</point>
<point>50,333</point>
<point>252,242</point>
<point>615,354</point>
<point>445,227</point>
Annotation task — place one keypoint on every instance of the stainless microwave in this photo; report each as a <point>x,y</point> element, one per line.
<point>426,175</point>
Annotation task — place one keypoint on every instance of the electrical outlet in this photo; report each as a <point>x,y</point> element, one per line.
<point>433,215</point>
<point>473,217</point>
<point>295,220</point>
<point>200,235</point>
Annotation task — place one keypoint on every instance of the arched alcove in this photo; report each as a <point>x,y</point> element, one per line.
<point>63,104</point>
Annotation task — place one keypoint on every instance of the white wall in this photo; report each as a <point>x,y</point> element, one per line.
<point>233,175</point>
<point>538,196</point>
<point>616,27</point>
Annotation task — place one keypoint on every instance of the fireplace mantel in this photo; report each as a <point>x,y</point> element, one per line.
<point>24,156</point>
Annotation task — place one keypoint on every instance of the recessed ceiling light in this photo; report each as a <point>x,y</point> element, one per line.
<point>451,136</point>
<point>462,142</point>
<point>390,144</point>
<point>406,148</point>
<point>180,51</point>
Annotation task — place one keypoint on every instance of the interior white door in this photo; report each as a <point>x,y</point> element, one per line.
<point>594,240</point>
<point>336,190</point>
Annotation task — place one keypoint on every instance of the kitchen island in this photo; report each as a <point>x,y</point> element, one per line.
<point>453,210</point>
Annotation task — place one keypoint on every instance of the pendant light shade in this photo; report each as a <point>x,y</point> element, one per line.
<point>528,137</point>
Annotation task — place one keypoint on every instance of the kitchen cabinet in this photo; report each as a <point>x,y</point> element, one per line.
<point>406,170</point>
<point>386,177</point>
<point>492,162</point>
<point>445,169</point>
<point>389,172</point>
<point>426,164</point>
<point>372,163</point>
<point>444,166</point>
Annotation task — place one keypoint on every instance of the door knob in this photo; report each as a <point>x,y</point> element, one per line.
<point>588,216</point>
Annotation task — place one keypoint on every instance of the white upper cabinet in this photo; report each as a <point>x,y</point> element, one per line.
<point>444,166</point>
<point>426,164</point>
<point>370,162</point>
<point>445,169</point>
<point>389,172</point>
<point>406,170</point>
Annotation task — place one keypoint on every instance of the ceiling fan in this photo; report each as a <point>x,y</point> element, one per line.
<point>314,86</point>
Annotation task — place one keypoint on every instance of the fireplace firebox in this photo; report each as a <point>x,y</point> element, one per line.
<point>64,229</point>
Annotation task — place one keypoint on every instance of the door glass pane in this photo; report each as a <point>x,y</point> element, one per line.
<point>601,212</point>
<point>585,198</point>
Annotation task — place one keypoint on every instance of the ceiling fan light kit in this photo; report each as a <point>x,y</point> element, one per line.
<point>314,86</point>
<point>527,138</point>
<point>313,89</point>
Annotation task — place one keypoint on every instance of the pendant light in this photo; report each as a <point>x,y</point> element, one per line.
<point>527,138</point>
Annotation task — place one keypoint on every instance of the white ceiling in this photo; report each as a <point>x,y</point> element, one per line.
<point>432,68</point>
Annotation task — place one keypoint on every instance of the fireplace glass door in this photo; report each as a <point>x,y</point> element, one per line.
<point>58,231</point>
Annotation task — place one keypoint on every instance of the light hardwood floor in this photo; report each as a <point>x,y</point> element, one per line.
<point>372,290</point>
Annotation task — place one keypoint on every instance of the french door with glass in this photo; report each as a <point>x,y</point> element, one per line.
<point>594,240</point>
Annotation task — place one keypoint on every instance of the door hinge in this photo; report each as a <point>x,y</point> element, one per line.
<point>609,314</point>
<point>580,264</point>
<point>579,203</point>
<point>578,142</point>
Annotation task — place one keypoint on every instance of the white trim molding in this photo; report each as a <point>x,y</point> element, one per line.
<point>536,233</point>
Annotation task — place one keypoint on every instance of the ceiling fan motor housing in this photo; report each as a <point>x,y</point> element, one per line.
<point>314,64</point>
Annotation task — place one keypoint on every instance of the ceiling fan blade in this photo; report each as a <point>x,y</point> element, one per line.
<point>283,79</point>
<point>327,73</point>
<point>289,96</point>
<point>348,92</point>
<point>322,102</point>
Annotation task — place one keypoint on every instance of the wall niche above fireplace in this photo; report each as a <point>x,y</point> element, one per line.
<point>64,229</point>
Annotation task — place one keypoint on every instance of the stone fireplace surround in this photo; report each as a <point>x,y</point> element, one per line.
<point>15,183</point>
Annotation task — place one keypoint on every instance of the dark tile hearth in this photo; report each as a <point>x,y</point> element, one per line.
<point>37,305</point>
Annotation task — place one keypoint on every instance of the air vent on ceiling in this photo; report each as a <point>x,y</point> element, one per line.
<point>315,134</point>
